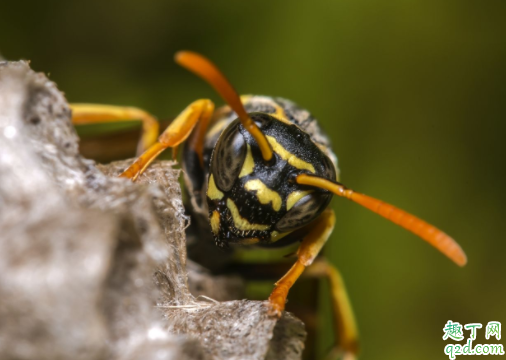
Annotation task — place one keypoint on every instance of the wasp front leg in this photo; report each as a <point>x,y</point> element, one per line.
<point>319,232</point>
<point>197,114</point>
<point>94,114</point>
<point>311,245</point>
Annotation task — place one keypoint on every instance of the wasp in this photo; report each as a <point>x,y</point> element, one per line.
<point>260,172</point>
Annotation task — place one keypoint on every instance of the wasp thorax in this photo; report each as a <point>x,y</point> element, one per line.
<point>251,201</point>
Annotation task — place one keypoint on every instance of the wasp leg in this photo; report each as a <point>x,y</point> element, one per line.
<point>311,245</point>
<point>93,113</point>
<point>345,327</point>
<point>199,111</point>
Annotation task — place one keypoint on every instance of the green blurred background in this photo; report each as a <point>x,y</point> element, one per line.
<point>412,94</point>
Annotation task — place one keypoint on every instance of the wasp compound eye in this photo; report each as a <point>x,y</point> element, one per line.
<point>228,157</point>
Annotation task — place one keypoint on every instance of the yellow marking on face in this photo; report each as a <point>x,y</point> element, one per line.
<point>240,222</point>
<point>288,156</point>
<point>275,236</point>
<point>212,191</point>
<point>264,194</point>
<point>294,197</point>
<point>249,241</point>
<point>215,222</point>
<point>249,164</point>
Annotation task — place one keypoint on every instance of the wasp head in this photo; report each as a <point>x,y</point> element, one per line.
<point>252,200</point>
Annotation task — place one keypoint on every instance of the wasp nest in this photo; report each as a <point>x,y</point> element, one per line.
<point>93,266</point>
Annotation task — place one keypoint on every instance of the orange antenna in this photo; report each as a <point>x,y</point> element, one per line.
<point>429,233</point>
<point>204,68</point>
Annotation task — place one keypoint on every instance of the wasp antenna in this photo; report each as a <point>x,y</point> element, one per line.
<point>204,68</point>
<point>427,232</point>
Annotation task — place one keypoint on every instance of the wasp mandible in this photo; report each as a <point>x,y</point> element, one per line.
<point>262,173</point>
